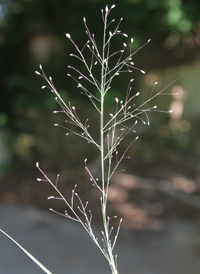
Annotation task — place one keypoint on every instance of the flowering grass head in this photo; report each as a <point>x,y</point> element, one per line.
<point>101,69</point>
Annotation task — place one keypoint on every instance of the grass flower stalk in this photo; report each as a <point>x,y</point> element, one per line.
<point>113,129</point>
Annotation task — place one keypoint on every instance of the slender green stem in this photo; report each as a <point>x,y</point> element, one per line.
<point>27,253</point>
<point>104,69</point>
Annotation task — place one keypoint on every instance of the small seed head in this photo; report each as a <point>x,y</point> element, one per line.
<point>68,35</point>
<point>50,197</point>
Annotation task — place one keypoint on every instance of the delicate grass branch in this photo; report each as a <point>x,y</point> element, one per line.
<point>112,130</point>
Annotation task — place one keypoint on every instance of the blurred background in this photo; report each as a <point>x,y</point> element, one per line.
<point>33,33</point>
<point>162,177</point>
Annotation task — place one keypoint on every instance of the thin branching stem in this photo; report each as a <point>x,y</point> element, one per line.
<point>112,131</point>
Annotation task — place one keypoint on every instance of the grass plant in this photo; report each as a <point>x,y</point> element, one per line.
<point>100,73</point>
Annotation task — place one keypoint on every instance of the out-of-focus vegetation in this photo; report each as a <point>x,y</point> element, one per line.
<point>32,32</point>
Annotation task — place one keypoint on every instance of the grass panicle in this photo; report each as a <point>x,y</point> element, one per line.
<point>101,70</point>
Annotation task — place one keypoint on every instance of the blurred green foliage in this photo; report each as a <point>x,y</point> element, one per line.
<point>32,32</point>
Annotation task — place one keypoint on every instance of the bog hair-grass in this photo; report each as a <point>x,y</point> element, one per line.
<point>112,131</point>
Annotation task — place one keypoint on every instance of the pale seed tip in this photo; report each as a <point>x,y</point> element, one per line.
<point>170,111</point>
<point>68,35</point>
<point>112,7</point>
<point>38,179</point>
<point>155,83</point>
<point>37,164</point>
<point>132,40</point>
<point>142,71</point>
<point>37,72</point>
<point>50,197</point>
<point>84,19</point>
<point>40,66</point>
